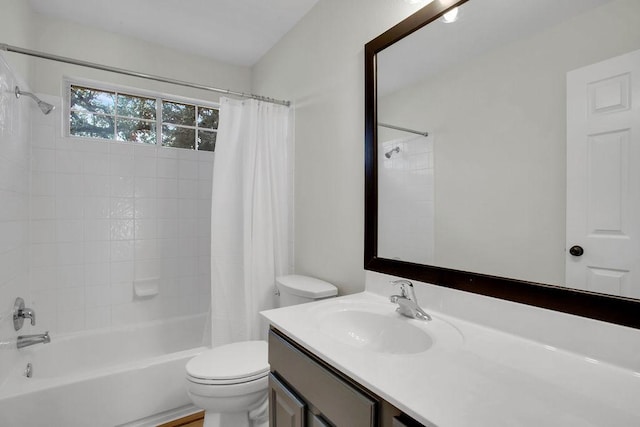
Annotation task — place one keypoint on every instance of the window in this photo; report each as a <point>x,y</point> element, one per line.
<point>111,114</point>
<point>189,126</point>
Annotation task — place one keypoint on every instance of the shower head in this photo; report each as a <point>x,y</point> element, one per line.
<point>45,107</point>
<point>390,152</point>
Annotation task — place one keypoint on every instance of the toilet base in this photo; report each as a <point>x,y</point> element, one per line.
<point>257,417</point>
<point>212,419</point>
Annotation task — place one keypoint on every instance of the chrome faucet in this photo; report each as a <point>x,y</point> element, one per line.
<point>27,313</point>
<point>20,313</point>
<point>27,340</point>
<point>407,301</point>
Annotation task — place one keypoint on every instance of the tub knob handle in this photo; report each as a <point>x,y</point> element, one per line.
<point>27,313</point>
<point>20,313</point>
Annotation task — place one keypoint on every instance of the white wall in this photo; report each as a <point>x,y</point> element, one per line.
<point>21,26</point>
<point>319,65</point>
<point>105,214</point>
<point>15,159</point>
<point>65,38</point>
<point>16,22</point>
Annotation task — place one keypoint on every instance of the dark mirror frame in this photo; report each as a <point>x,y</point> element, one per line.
<point>617,310</point>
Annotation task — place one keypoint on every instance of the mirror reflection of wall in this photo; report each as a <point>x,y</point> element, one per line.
<point>498,117</point>
<point>405,197</point>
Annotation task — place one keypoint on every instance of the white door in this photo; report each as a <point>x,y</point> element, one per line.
<point>603,177</point>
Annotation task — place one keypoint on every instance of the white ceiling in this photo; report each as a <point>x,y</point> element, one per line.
<point>233,31</point>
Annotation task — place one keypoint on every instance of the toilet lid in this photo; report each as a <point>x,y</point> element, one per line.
<point>237,362</point>
<point>305,286</point>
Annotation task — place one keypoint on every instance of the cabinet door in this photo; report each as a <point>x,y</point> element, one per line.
<point>405,421</point>
<point>285,409</point>
<point>315,421</point>
<point>339,402</point>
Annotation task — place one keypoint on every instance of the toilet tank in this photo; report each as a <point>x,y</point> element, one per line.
<point>297,289</point>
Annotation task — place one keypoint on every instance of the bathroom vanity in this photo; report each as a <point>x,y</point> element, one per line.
<point>306,391</point>
<point>354,361</point>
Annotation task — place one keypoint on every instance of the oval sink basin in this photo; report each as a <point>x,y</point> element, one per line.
<point>375,332</point>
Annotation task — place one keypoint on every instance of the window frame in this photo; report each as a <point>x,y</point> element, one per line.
<point>128,90</point>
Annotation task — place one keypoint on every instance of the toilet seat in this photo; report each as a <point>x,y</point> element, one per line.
<point>235,363</point>
<point>214,381</point>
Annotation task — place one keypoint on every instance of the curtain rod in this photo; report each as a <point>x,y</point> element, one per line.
<point>384,125</point>
<point>35,53</point>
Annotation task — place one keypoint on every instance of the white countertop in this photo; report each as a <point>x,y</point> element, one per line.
<point>488,378</point>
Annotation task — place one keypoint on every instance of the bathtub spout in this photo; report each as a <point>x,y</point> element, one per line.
<point>27,340</point>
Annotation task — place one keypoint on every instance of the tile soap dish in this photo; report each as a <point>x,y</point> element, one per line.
<point>146,288</point>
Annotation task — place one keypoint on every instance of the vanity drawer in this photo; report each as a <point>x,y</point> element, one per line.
<point>326,394</point>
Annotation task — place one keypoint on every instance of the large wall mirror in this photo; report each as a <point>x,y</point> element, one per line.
<point>503,152</point>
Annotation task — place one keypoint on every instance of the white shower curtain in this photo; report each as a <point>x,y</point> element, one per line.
<point>249,216</point>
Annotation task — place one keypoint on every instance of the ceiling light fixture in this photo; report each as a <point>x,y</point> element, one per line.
<point>451,16</point>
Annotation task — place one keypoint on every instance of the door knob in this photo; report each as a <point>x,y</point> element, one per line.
<point>576,250</point>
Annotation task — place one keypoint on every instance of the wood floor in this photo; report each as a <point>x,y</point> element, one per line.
<point>193,420</point>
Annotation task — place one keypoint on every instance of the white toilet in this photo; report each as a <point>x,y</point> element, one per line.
<point>230,382</point>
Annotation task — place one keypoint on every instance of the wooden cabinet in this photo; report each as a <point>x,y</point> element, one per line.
<point>285,408</point>
<point>304,391</point>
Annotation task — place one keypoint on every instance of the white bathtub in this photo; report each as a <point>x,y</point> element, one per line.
<point>103,378</point>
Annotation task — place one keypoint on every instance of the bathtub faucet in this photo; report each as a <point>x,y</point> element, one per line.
<point>27,340</point>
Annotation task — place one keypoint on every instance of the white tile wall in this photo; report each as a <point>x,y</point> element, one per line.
<point>107,213</point>
<point>15,157</point>
<point>407,176</point>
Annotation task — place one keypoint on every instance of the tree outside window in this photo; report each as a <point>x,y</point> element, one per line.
<point>96,113</point>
